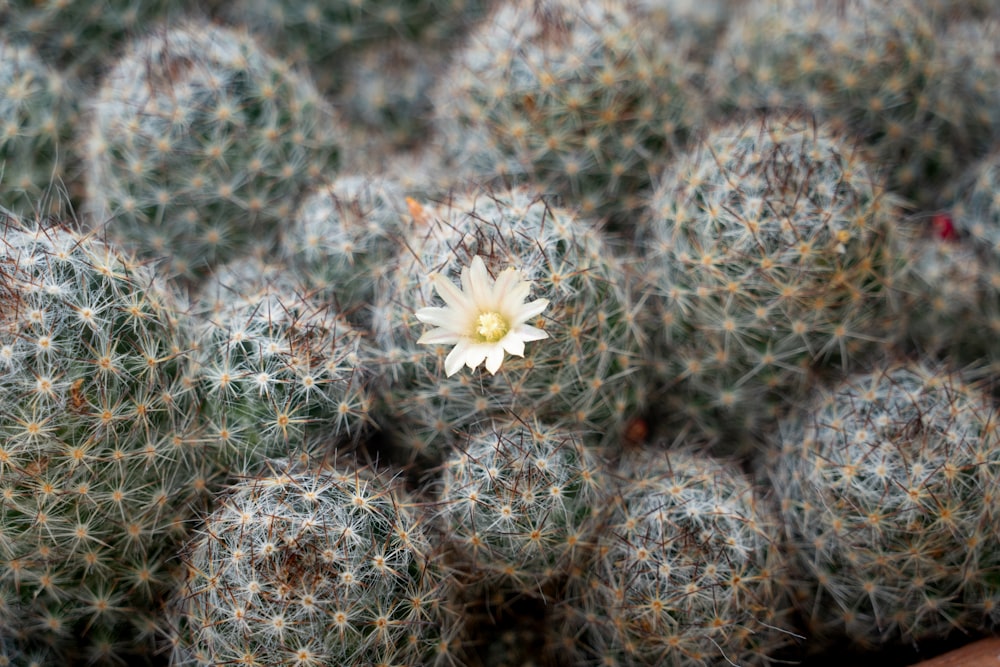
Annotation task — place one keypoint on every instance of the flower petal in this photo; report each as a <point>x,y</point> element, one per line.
<point>452,296</point>
<point>447,318</point>
<point>513,343</point>
<point>494,358</point>
<point>529,310</point>
<point>527,332</point>
<point>439,336</point>
<point>479,284</point>
<point>477,353</point>
<point>456,358</point>
<point>509,287</point>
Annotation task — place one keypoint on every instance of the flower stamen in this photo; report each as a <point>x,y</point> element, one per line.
<point>492,327</point>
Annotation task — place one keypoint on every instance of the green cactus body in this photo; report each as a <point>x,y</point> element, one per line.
<point>580,374</point>
<point>888,483</point>
<point>770,247</point>
<point>312,567</point>
<point>280,371</point>
<point>37,112</point>
<point>201,143</point>
<point>920,100</point>
<point>580,98</point>
<point>519,501</point>
<point>101,459</point>
<point>342,239</point>
<point>687,571</point>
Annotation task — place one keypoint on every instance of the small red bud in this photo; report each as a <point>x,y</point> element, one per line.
<point>944,227</point>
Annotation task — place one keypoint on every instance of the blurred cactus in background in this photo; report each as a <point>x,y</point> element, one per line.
<point>921,101</point>
<point>38,114</point>
<point>888,483</point>
<point>200,145</point>
<point>80,37</point>
<point>583,99</point>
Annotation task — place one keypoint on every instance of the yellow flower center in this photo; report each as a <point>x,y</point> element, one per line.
<point>491,327</point>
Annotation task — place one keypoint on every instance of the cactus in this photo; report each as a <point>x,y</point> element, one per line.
<point>579,98</point>
<point>200,143</point>
<point>688,570</point>
<point>298,566</point>
<point>518,501</point>
<point>101,458</point>
<point>888,485</point>
<point>770,247</point>
<point>341,240</point>
<point>874,70</point>
<point>279,370</point>
<point>38,110</point>
<point>581,373</point>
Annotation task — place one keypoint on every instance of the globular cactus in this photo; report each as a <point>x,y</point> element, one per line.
<point>580,98</point>
<point>514,255</point>
<point>280,372</point>
<point>519,503</point>
<point>101,456</point>
<point>872,69</point>
<point>342,239</point>
<point>769,248</point>
<point>200,145</point>
<point>888,484</point>
<point>37,114</point>
<point>688,570</point>
<point>326,566</point>
<point>81,38</point>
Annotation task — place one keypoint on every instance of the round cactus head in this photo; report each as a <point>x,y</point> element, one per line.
<point>888,483</point>
<point>201,143</point>
<point>298,566</point>
<point>101,460</point>
<point>769,250</point>
<point>688,569</point>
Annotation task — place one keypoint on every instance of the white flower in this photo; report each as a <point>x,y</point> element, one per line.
<point>483,319</point>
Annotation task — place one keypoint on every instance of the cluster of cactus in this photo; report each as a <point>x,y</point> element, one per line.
<point>580,375</point>
<point>201,143</point>
<point>582,98</point>
<point>37,114</point>
<point>675,216</point>
<point>918,97</point>
<point>769,247</point>
<point>888,485</point>
<point>101,462</point>
<point>301,566</point>
<point>687,571</point>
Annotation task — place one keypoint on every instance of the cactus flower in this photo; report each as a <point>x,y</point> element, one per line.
<point>484,318</point>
